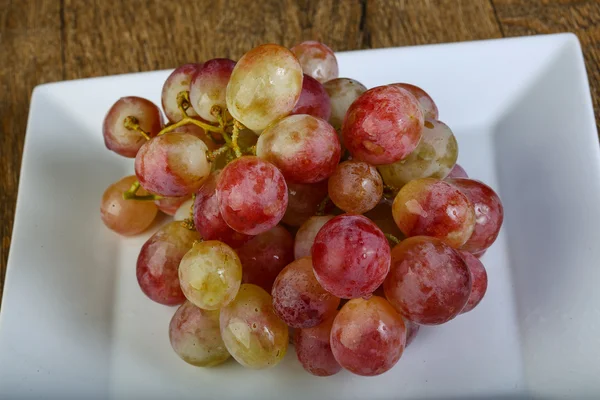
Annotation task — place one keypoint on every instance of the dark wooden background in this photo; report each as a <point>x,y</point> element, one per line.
<point>52,40</point>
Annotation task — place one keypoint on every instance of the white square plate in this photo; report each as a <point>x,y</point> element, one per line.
<point>74,323</point>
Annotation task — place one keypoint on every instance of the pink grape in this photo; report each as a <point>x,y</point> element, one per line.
<point>355,187</point>
<point>195,336</point>
<point>489,213</point>
<point>210,274</point>
<point>434,157</point>
<point>383,125</point>
<point>434,208</point>
<point>313,100</point>
<point>306,149</point>
<point>209,85</point>
<point>122,140</point>
<point>265,255</point>
<point>158,263</point>
<point>430,110</point>
<point>314,350</point>
<point>457,172</point>
<point>179,81</point>
<point>252,333</point>
<point>342,93</point>
<point>351,256</point>
<point>172,165</point>
<point>127,217</point>
<point>429,283</point>
<point>252,195</point>
<point>305,237</point>
<point>412,329</point>
<point>303,201</point>
<point>317,60</point>
<point>479,280</point>
<point>170,205</point>
<point>207,217</point>
<point>298,298</point>
<point>265,85</point>
<point>479,254</point>
<point>368,336</point>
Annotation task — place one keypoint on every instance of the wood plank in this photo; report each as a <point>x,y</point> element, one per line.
<point>582,17</point>
<point>30,42</point>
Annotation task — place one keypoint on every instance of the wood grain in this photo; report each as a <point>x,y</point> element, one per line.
<point>51,40</point>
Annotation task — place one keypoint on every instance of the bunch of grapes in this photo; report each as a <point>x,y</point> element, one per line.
<point>302,203</point>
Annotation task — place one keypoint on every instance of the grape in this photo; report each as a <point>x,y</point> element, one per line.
<point>172,165</point>
<point>355,187</point>
<point>457,172</point>
<point>303,201</point>
<point>170,205</point>
<point>184,211</point>
<point>252,333</point>
<point>265,85</point>
<point>434,157</point>
<point>381,215</point>
<point>314,351</point>
<point>252,195</point>
<point>435,208</point>
<point>127,217</point>
<point>208,87</point>
<point>479,280</point>
<point>313,100</point>
<point>210,274</point>
<point>179,81</point>
<point>207,217</point>
<point>489,213</point>
<point>317,60</point>
<point>383,125</point>
<point>351,256</point>
<point>430,110</point>
<point>412,330</point>
<point>265,255</point>
<point>305,237</point>
<point>158,263</point>
<point>195,336</point>
<point>199,133</point>
<point>122,140</point>
<point>298,298</point>
<point>429,283</point>
<point>306,149</point>
<point>368,336</point>
<point>342,93</point>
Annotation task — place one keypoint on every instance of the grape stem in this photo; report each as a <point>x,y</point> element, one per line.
<point>131,194</point>
<point>212,155</point>
<point>133,124</point>
<point>322,205</point>
<point>183,102</point>
<point>237,126</point>
<point>188,223</point>
<point>392,238</point>
<point>190,120</point>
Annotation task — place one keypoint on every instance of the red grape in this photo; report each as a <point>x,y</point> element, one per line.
<point>368,336</point>
<point>298,298</point>
<point>383,125</point>
<point>305,237</point>
<point>303,201</point>
<point>306,149</point>
<point>434,208</point>
<point>252,195</point>
<point>158,263</point>
<point>127,217</point>
<point>351,256</point>
<point>170,205</point>
<point>313,100</point>
<point>342,93</point>
<point>265,255</point>
<point>479,280</point>
<point>489,213</point>
<point>314,350</point>
<point>172,165</point>
<point>207,217</point>
<point>122,140</point>
<point>430,110</point>
<point>457,172</point>
<point>355,187</point>
<point>317,60</point>
<point>429,283</point>
<point>179,81</point>
<point>209,85</point>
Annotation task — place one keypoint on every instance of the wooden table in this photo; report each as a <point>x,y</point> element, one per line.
<point>52,40</point>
